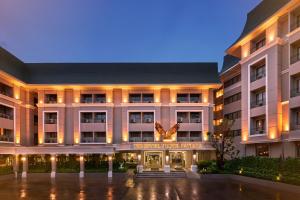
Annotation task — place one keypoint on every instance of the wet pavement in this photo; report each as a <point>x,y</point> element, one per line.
<point>98,186</point>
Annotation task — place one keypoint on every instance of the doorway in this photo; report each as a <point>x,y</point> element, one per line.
<point>153,160</point>
<point>177,160</point>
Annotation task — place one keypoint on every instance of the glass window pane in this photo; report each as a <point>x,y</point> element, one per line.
<point>135,117</point>
<point>148,117</point>
<point>135,98</point>
<point>148,98</point>
<point>182,98</point>
<point>182,117</point>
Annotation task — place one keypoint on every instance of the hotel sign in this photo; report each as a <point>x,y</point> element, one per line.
<point>173,146</point>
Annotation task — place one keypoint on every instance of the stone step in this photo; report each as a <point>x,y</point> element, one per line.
<point>161,175</point>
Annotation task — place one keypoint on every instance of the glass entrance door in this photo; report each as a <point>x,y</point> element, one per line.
<point>153,160</point>
<point>177,160</point>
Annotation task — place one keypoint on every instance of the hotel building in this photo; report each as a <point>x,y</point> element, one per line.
<point>261,82</point>
<point>107,108</point>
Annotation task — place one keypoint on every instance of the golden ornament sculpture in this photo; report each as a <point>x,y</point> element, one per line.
<point>167,135</point>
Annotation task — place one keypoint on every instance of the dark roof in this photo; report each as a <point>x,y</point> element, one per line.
<point>12,65</point>
<point>123,73</point>
<point>228,62</point>
<point>259,14</point>
<point>109,73</point>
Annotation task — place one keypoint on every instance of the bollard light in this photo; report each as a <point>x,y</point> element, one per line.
<point>194,157</point>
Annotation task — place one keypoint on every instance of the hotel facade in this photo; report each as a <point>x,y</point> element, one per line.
<point>261,82</point>
<point>106,108</point>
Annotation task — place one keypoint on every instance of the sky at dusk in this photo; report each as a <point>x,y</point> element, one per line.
<point>121,30</point>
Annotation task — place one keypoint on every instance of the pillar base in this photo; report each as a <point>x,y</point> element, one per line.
<point>109,174</point>
<point>140,168</point>
<point>16,174</point>
<point>24,174</point>
<point>194,168</point>
<point>167,169</point>
<point>53,174</point>
<point>81,174</point>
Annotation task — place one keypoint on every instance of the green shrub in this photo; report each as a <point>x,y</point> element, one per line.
<point>208,167</point>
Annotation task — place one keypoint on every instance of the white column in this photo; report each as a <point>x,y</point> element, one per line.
<point>194,166</point>
<point>16,165</point>
<point>53,166</point>
<point>167,167</point>
<point>81,173</point>
<point>110,166</point>
<point>25,166</point>
<point>140,167</point>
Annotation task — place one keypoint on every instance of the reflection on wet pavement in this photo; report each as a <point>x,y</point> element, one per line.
<point>98,186</point>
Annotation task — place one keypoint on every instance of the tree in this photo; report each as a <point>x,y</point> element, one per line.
<point>222,141</point>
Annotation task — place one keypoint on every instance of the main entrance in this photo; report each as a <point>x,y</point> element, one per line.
<point>177,160</point>
<point>153,160</point>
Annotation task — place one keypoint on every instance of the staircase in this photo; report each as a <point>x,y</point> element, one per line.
<point>161,174</point>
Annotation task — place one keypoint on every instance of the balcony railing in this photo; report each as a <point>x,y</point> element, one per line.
<point>295,126</point>
<point>295,92</point>
<point>255,77</point>
<point>256,131</point>
<point>255,47</point>
<point>50,121</point>
<point>91,120</point>
<point>295,26</point>
<point>148,139</point>
<point>93,140</point>
<point>6,138</point>
<point>50,140</point>
<point>6,93</point>
<point>6,116</point>
<point>135,139</point>
<point>258,103</point>
<point>195,139</point>
<point>295,58</point>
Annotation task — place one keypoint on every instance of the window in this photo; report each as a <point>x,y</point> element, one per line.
<point>233,98</point>
<point>6,112</point>
<point>259,126</point>
<point>6,90</point>
<point>50,98</point>
<point>259,99</point>
<point>189,117</point>
<point>148,117</point>
<point>141,117</point>
<point>261,43</point>
<point>218,107</point>
<point>232,81</point>
<point>6,135</point>
<point>99,98</point>
<point>93,137</point>
<point>100,117</point>
<point>195,117</point>
<point>258,72</point>
<point>262,150</point>
<point>189,98</point>
<point>295,91</point>
<point>182,117</point>
<point>141,98</point>
<point>182,136</point>
<point>182,98</point>
<point>50,118</point>
<point>195,136</point>
<point>233,116</point>
<point>147,98</point>
<point>50,137</point>
<point>135,117</point>
<point>195,98</point>
<point>148,136</point>
<point>189,136</point>
<point>86,117</point>
<point>298,117</point>
<point>135,136</point>
<point>86,98</point>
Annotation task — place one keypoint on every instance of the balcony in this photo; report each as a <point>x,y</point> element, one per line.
<point>50,121</point>
<point>257,131</point>
<point>295,92</point>
<point>6,90</point>
<point>258,44</point>
<point>6,135</point>
<point>51,98</point>
<point>258,103</point>
<point>93,137</point>
<point>6,116</point>
<point>50,137</point>
<point>255,77</point>
<point>141,136</point>
<point>295,58</point>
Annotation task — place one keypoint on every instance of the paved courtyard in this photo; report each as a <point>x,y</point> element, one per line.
<point>98,186</point>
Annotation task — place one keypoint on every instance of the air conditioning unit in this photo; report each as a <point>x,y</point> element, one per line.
<point>102,120</point>
<point>133,120</point>
<point>180,120</point>
<point>198,121</point>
